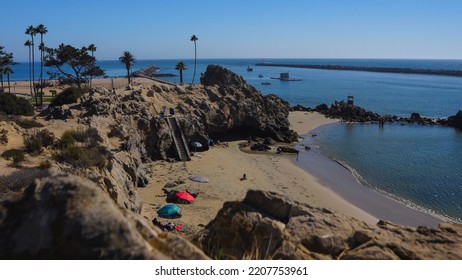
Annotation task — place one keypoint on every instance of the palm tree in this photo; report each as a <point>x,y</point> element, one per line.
<point>128,59</point>
<point>8,70</point>
<point>180,66</point>
<point>42,30</point>
<point>92,48</point>
<point>194,39</point>
<point>32,31</point>
<point>28,43</point>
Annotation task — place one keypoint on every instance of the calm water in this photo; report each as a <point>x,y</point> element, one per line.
<point>419,165</point>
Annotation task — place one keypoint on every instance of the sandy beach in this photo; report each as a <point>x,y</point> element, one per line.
<point>225,165</point>
<point>327,184</point>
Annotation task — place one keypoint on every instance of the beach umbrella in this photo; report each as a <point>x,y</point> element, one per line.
<point>185,196</point>
<point>196,145</point>
<point>198,179</point>
<point>168,211</point>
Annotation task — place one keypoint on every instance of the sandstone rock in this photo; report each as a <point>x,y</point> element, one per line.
<point>67,217</point>
<point>269,225</point>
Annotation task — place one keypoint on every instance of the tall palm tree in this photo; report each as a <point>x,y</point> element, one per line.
<point>194,39</point>
<point>8,70</point>
<point>92,49</point>
<point>32,31</point>
<point>28,43</point>
<point>180,66</point>
<point>128,59</point>
<point>41,29</point>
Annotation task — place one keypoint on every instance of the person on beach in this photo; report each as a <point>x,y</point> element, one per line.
<point>244,177</point>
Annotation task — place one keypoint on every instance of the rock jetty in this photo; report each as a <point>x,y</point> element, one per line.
<point>456,73</point>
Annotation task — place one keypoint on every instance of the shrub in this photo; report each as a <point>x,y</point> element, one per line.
<point>67,96</point>
<point>13,105</point>
<point>91,154</point>
<point>84,157</point>
<point>35,142</point>
<point>3,136</point>
<point>45,165</point>
<point>26,123</point>
<point>16,155</point>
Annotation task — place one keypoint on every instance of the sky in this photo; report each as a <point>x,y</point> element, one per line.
<point>161,29</point>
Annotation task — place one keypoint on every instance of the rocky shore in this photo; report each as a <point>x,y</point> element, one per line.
<point>351,113</point>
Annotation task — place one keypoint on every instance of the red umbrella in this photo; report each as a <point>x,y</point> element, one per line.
<point>185,196</point>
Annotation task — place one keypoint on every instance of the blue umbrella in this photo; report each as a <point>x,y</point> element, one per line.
<point>196,145</point>
<point>169,210</point>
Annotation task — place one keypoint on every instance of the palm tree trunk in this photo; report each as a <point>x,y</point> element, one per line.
<point>9,87</point>
<point>33,71</point>
<point>128,76</point>
<point>181,76</point>
<point>195,62</point>
<point>30,71</point>
<point>1,79</point>
<point>41,69</point>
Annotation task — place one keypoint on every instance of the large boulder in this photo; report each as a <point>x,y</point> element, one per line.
<point>67,217</point>
<point>268,225</point>
<point>456,120</point>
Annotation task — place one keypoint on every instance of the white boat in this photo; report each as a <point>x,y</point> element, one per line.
<point>249,68</point>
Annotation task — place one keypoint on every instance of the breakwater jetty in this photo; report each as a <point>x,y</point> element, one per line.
<point>441,72</point>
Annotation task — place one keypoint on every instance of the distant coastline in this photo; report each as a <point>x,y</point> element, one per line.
<point>441,72</point>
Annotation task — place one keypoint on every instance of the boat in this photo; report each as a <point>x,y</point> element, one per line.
<point>260,76</point>
<point>249,68</point>
<point>285,77</point>
<point>265,83</point>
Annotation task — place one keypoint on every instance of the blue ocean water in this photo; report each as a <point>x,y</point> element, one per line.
<point>420,165</point>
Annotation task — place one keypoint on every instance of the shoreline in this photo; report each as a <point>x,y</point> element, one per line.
<point>341,180</point>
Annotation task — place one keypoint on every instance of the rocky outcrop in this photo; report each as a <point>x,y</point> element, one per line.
<point>351,113</point>
<point>66,217</point>
<point>456,120</point>
<point>267,225</point>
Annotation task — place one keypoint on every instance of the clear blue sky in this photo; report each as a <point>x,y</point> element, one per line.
<point>242,28</point>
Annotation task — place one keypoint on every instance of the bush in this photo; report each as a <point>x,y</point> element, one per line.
<point>116,131</point>
<point>13,105</point>
<point>16,155</point>
<point>26,123</point>
<point>45,165</point>
<point>91,154</point>
<point>67,96</point>
<point>84,157</point>
<point>35,142</point>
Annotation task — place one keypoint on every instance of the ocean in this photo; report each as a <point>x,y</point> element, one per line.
<point>420,166</point>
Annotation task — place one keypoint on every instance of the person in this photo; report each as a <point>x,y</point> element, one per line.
<point>244,177</point>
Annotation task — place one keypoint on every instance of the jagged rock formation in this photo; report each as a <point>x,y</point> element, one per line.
<point>351,113</point>
<point>267,225</point>
<point>67,217</point>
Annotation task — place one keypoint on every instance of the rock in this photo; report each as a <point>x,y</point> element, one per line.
<point>456,120</point>
<point>67,217</point>
<point>260,147</point>
<point>287,150</point>
<point>267,225</point>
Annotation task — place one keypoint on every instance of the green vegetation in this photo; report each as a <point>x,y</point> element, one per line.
<point>194,39</point>
<point>180,66</point>
<point>36,142</point>
<point>14,154</point>
<point>128,59</point>
<point>82,149</point>
<point>26,123</point>
<point>67,96</point>
<point>13,105</point>
<point>67,57</point>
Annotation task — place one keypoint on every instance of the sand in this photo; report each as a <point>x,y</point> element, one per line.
<point>225,165</point>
